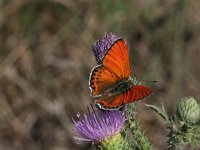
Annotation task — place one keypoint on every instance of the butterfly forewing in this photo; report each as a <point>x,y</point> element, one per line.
<point>116,60</point>
<point>101,80</point>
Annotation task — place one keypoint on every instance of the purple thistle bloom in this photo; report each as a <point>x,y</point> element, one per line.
<point>101,46</point>
<point>98,125</point>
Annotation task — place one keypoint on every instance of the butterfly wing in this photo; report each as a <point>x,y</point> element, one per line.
<point>116,60</point>
<point>135,93</point>
<point>113,102</point>
<point>101,79</point>
<point>114,67</point>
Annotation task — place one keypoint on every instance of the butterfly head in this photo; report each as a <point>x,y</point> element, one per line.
<point>134,81</point>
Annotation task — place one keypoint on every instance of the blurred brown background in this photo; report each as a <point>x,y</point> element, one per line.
<point>46,58</point>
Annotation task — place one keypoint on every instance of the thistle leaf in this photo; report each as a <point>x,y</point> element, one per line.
<point>162,112</point>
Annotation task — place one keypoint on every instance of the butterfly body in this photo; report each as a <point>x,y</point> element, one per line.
<point>118,88</point>
<point>122,86</point>
<point>110,82</point>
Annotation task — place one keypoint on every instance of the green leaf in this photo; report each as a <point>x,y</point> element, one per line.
<point>162,112</point>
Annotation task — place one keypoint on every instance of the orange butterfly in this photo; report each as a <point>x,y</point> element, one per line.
<point>110,82</point>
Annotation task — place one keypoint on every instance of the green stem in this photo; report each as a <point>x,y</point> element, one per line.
<point>138,141</point>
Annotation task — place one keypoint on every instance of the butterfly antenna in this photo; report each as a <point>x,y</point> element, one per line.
<point>138,81</point>
<point>148,81</point>
<point>153,81</point>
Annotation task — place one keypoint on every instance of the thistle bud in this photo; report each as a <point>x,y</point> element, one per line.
<point>188,110</point>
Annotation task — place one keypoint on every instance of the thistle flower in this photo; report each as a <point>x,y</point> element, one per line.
<point>101,46</point>
<point>98,126</point>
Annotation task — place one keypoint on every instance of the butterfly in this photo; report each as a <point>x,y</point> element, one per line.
<point>110,82</point>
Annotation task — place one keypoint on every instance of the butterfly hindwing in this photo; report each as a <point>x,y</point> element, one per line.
<point>113,102</point>
<point>135,93</point>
